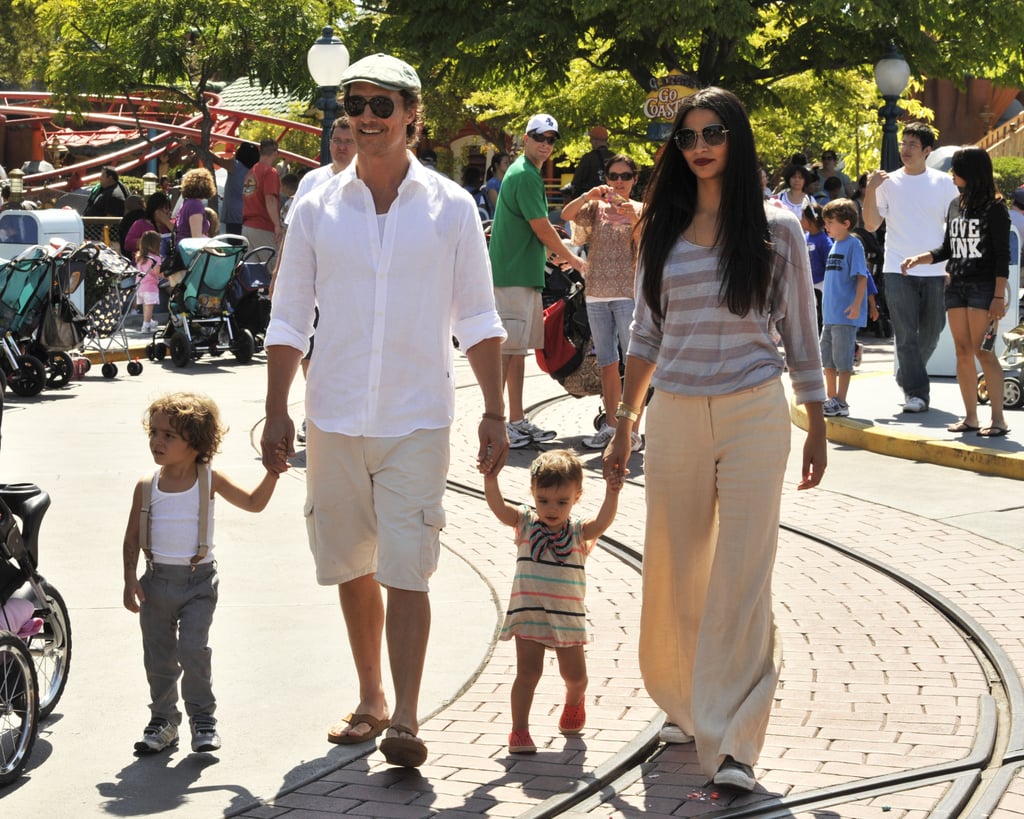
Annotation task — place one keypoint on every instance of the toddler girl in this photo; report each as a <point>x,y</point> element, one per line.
<point>147,261</point>
<point>546,608</point>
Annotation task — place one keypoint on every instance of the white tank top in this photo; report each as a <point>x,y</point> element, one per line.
<point>174,525</point>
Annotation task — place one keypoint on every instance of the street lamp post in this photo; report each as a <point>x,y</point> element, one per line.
<point>327,60</point>
<point>16,178</point>
<point>891,75</point>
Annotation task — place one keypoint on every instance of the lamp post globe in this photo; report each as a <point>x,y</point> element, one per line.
<point>892,73</point>
<point>327,60</point>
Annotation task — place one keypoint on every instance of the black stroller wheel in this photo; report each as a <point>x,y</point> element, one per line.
<point>109,370</point>
<point>61,369</point>
<point>244,347</point>
<point>181,350</point>
<point>134,368</point>
<point>19,707</point>
<point>51,649</point>
<point>30,377</point>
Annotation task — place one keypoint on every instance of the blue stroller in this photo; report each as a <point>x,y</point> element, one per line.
<point>200,317</point>
<point>24,288</point>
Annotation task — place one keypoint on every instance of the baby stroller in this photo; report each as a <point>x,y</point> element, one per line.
<point>62,328</point>
<point>1012,362</point>
<point>33,667</point>
<point>200,317</point>
<point>24,286</point>
<point>248,294</point>
<point>117,280</point>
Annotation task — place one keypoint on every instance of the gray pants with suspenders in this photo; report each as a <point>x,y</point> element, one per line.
<point>175,620</point>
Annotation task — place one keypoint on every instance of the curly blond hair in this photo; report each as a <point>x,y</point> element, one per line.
<point>194,417</point>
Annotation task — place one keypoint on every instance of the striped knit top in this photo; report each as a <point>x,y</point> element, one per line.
<point>546,604</point>
<point>703,349</point>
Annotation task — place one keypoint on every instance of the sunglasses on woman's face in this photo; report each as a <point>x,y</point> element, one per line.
<point>713,136</point>
<point>625,176</point>
<point>382,107</point>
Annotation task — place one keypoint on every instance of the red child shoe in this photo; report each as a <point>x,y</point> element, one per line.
<point>520,742</point>
<point>574,717</point>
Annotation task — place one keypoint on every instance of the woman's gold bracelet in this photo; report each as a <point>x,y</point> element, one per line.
<point>626,411</point>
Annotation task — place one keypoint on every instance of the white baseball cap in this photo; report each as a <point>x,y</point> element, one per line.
<point>541,124</point>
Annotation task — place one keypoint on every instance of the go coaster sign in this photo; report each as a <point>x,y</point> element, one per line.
<point>663,101</point>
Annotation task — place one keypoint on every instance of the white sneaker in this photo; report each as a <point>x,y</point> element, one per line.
<point>537,435</point>
<point>204,734</point>
<point>601,439</point>
<point>834,408</point>
<point>637,442</point>
<point>915,404</point>
<point>517,439</point>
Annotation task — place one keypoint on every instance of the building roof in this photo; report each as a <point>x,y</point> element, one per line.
<point>246,95</point>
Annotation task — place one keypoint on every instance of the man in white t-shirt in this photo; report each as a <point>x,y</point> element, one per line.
<point>913,202</point>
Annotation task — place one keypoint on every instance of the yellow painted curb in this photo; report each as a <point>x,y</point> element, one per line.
<point>865,435</point>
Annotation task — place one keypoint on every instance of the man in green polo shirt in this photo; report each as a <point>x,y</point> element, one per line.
<point>521,239</point>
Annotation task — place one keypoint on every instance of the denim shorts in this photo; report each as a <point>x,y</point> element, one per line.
<point>979,295</point>
<point>609,325</point>
<point>838,343</point>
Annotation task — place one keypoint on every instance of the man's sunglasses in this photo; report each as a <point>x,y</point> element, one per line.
<point>382,107</point>
<point>713,135</point>
<point>625,176</point>
<point>550,140</point>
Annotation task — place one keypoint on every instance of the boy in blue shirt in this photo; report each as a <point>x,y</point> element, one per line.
<point>843,303</point>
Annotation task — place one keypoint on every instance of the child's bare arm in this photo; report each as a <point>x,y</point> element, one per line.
<point>255,500</point>
<point>503,511</point>
<point>605,515</point>
<point>133,596</point>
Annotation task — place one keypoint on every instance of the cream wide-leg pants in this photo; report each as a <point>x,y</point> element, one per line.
<point>713,468</point>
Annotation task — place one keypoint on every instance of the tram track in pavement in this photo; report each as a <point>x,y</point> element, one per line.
<point>974,783</point>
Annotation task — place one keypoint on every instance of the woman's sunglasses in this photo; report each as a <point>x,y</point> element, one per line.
<point>713,135</point>
<point>382,107</point>
<point>625,176</point>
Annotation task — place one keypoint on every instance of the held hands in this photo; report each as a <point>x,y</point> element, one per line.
<point>276,443</point>
<point>493,446</point>
<point>615,458</point>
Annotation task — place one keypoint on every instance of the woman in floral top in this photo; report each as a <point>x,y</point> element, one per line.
<point>604,218</point>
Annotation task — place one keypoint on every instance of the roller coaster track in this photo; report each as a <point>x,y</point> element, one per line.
<point>158,125</point>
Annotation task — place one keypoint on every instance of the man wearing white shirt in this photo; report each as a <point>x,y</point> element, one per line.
<point>343,151</point>
<point>395,256</point>
<point>913,202</point>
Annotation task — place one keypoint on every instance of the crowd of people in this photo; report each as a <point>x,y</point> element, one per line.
<point>699,298</point>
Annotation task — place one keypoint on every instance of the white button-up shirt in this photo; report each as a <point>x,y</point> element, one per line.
<point>391,296</point>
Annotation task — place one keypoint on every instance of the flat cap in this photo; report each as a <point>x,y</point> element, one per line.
<point>383,70</point>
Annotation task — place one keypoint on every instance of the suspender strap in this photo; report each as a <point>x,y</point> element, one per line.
<point>204,516</point>
<point>147,498</point>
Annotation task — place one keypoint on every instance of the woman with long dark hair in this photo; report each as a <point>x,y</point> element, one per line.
<point>977,247</point>
<point>722,277</point>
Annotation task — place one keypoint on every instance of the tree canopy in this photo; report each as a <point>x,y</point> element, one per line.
<point>177,48</point>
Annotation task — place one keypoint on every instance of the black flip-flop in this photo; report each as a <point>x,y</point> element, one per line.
<point>993,432</point>
<point>962,426</point>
